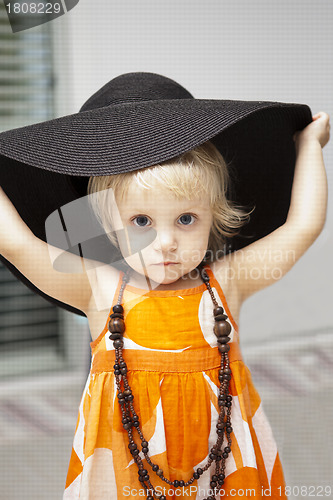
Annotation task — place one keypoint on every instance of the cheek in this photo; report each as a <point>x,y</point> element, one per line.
<point>198,238</point>
<point>193,249</point>
<point>135,263</point>
<point>131,242</point>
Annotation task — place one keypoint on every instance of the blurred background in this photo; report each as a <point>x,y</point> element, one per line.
<point>258,50</point>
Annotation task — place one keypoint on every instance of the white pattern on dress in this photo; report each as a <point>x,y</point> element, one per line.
<point>266,440</point>
<point>206,318</point>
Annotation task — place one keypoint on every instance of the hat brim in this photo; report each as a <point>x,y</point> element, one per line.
<point>47,165</point>
<point>122,138</point>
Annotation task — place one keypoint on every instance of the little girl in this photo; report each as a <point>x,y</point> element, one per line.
<point>169,408</point>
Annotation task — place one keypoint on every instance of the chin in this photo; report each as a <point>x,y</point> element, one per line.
<point>162,277</point>
<point>167,281</point>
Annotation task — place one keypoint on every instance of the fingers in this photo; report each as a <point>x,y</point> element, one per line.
<point>321,114</point>
<point>319,129</point>
<point>324,127</point>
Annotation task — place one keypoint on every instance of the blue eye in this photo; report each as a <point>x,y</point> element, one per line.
<point>140,221</point>
<point>187,219</point>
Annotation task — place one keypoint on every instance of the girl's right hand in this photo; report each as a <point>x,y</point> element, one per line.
<point>318,129</point>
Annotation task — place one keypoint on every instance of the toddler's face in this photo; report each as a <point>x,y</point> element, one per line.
<point>181,231</point>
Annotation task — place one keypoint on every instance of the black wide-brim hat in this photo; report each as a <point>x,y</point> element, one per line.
<point>138,120</point>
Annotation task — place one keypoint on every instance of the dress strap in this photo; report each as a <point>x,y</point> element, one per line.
<point>219,290</point>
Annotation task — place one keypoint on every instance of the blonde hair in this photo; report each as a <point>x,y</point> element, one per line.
<point>201,170</point>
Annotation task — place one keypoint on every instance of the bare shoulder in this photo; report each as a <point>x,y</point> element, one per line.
<point>223,272</point>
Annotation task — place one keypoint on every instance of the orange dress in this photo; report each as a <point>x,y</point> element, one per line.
<point>173,363</point>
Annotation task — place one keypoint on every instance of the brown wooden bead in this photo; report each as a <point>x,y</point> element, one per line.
<point>116,315</point>
<point>224,347</point>
<point>116,325</point>
<point>118,308</point>
<point>115,336</point>
<point>223,340</point>
<point>221,317</point>
<point>222,329</point>
<point>218,310</point>
<point>117,344</point>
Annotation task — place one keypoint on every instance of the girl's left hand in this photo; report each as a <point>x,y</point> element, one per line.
<point>318,129</point>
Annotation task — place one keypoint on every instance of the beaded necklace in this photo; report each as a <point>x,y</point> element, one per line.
<point>130,419</point>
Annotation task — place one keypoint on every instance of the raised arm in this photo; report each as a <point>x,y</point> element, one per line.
<point>309,193</point>
<point>31,257</point>
<point>265,261</point>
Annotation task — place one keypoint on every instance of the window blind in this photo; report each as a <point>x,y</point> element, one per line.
<point>26,96</point>
<point>24,316</point>
<point>26,74</point>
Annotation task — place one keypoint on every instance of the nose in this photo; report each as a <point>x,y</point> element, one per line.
<point>165,241</point>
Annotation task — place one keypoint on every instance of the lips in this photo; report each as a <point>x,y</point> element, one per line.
<point>165,263</point>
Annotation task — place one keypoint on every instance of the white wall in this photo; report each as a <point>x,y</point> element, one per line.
<point>263,49</point>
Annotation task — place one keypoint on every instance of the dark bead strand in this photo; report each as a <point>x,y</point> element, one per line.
<point>130,419</point>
